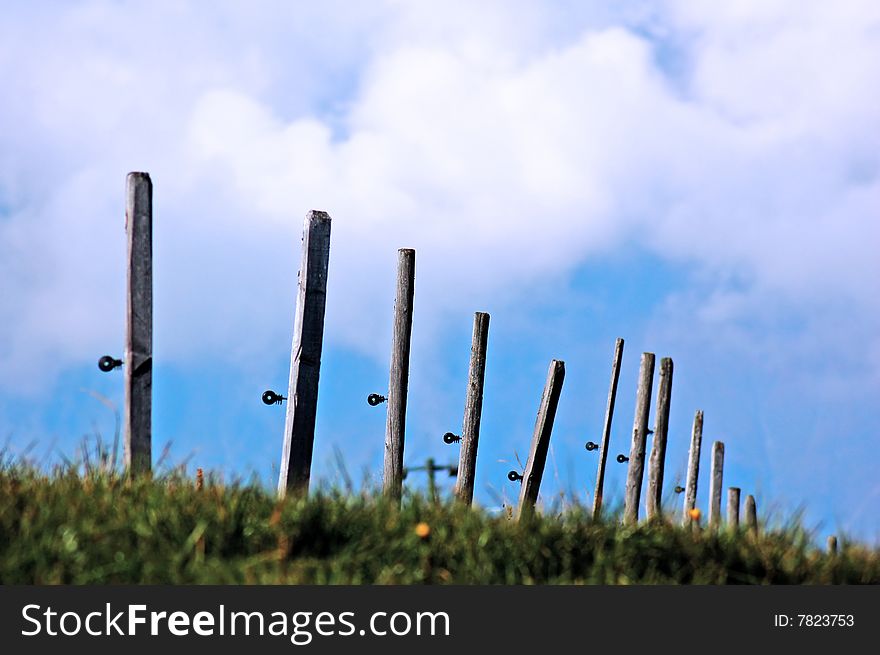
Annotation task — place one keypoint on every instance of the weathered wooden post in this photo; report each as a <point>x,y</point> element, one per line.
<point>715,481</point>
<point>531,481</point>
<point>305,356</point>
<point>635,471</point>
<point>653,506</point>
<point>751,515</point>
<point>473,409</point>
<point>398,384</point>
<point>606,428</point>
<point>137,422</point>
<point>733,494</point>
<point>693,472</point>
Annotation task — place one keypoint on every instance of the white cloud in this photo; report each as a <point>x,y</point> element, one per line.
<point>505,144</point>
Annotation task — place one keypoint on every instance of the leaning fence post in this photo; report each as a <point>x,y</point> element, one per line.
<point>715,481</point>
<point>531,481</point>
<point>733,494</point>
<point>693,472</point>
<point>305,356</point>
<point>751,515</point>
<point>653,506</point>
<point>606,428</point>
<point>139,324</point>
<point>473,408</point>
<point>398,383</point>
<point>635,471</point>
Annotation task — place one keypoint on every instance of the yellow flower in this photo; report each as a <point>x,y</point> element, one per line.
<point>694,514</point>
<point>423,530</point>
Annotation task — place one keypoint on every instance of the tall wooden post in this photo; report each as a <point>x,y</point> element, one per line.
<point>398,384</point>
<point>137,423</point>
<point>636,469</point>
<point>606,428</point>
<point>715,481</point>
<point>473,409</point>
<point>693,472</point>
<point>531,482</point>
<point>305,356</point>
<point>653,506</point>
<point>733,495</point>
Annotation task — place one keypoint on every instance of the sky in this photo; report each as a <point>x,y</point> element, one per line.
<point>700,179</point>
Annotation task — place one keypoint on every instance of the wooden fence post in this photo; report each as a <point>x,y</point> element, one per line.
<point>606,428</point>
<point>305,356</point>
<point>733,494</point>
<point>751,515</point>
<point>531,481</point>
<point>635,471</point>
<point>398,384</point>
<point>715,481</point>
<point>137,424</point>
<point>473,409</point>
<point>653,506</point>
<point>832,545</point>
<point>693,472</point>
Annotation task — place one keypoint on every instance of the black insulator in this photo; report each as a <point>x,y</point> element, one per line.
<point>108,363</point>
<point>272,398</point>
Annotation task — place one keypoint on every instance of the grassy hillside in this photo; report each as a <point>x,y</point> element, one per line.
<point>65,528</point>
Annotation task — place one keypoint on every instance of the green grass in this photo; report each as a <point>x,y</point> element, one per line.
<point>66,528</point>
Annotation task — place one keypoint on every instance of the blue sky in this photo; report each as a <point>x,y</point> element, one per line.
<point>701,180</point>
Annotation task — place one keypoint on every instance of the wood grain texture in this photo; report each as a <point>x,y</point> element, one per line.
<point>473,409</point>
<point>398,384</point>
<point>716,479</point>
<point>531,482</point>
<point>635,470</point>
<point>606,428</point>
<point>305,356</point>
<point>138,358</point>
<point>693,470</point>
<point>656,465</point>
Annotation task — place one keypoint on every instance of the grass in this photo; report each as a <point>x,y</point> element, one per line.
<point>65,527</point>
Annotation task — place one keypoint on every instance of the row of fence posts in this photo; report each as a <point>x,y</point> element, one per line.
<point>305,367</point>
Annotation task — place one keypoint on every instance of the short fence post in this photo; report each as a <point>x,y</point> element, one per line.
<point>473,408</point>
<point>733,494</point>
<point>635,471</point>
<point>693,472</point>
<point>751,515</point>
<point>832,545</point>
<point>139,324</point>
<point>531,481</point>
<point>653,507</point>
<point>606,428</point>
<point>305,356</point>
<point>430,469</point>
<point>715,481</point>
<point>398,384</point>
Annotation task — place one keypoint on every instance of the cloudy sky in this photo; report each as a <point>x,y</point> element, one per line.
<point>701,179</point>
